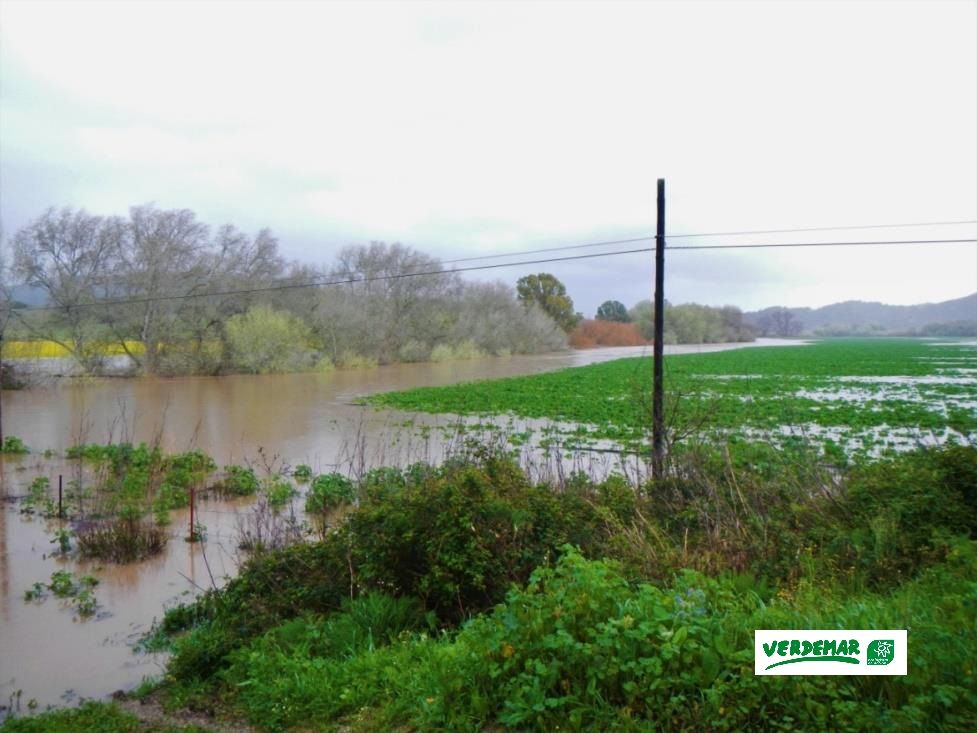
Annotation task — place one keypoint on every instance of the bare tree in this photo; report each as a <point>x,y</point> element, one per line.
<point>779,321</point>
<point>233,264</point>
<point>69,255</point>
<point>160,260</point>
<point>397,308</point>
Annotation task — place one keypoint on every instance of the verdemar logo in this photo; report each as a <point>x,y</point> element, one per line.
<point>834,652</point>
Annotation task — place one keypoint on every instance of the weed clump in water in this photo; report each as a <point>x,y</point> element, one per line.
<point>127,538</point>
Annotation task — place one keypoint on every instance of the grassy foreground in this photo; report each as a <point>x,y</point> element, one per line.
<point>848,395</point>
<point>465,597</point>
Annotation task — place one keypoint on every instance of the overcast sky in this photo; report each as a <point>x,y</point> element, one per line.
<point>470,129</point>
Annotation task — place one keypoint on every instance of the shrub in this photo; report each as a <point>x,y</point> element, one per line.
<point>265,340</point>
<point>279,491</point>
<point>894,514</point>
<point>327,492</point>
<point>591,333</point>
<point>238,481</point>
<point>125,539</point>
<point>13,444</point>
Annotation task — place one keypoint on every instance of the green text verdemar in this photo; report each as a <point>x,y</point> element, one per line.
<point>822,650</point>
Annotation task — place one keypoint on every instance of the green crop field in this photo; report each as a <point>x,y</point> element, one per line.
<point>848,395</point>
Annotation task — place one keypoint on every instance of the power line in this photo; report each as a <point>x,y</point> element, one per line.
<point>823,229</point>
<point>519,253</point>
<point>425,273</point>
<point>821,244</point>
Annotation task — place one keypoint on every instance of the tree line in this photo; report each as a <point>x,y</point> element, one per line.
<point>177,297</point>
<point>688,323</point>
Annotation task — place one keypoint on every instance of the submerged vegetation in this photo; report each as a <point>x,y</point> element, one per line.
<point>64,585</point>
<point>848,395</point>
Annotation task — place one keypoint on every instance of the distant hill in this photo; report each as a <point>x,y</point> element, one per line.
<point>958,316</point>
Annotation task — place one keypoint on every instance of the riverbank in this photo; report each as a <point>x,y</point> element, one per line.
<point>466,596</point>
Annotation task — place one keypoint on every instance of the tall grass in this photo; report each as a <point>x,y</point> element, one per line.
<point>121,540</point>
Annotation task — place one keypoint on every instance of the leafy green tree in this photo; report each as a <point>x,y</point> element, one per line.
<point>551,295</point>
<point>642,314</point>
<point>264,340</point>
<point>613,310</point>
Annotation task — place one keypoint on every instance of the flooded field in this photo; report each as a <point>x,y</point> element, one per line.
<point>49,653</point>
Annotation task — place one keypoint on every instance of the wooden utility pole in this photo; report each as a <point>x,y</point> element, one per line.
<point>192,537</point>
<point>657,400</point>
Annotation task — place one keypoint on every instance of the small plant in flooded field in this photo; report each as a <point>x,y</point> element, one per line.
<point>123,539</point>
<point>13,444</point>
<point>198,534</point>
<point>302,472</point>
<point>279,491</point>
<point>63,539</point>
<point>37,501</point>
<point>328,491</point>
<point>86,603</point>
<point>36,592</point>
<point>65,585</point>
<point>238,481</point>
<point>62,583</point>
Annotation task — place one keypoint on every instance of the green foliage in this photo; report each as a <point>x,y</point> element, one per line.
<point>328,491</point>
<point>463,533</point>
<point>62,537</point>
<point>238,481</point>
<point>65,585</point>
<point>37,500</point>
<point>273,587</point>
<point>302,472</point>
<point>895,515</point>
<point>90,717</point>
<point>13,444</point>
<point>581,648</point>
<point>549,639</point>
<point>613,310</point>
<point>265,340</point>
<point>455,537</point>
<point>279,491</point>
<point>777,394</point>
<point>319,657</point>
<point>550,294</point>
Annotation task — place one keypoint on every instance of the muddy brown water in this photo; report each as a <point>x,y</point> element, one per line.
<point>51,656</point>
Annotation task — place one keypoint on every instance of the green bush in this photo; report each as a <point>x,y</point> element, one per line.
<point>265,340</point>
<point>13,444</point>
<point>238,481</point>
<point>894,515</point>
<point>549,639</point>
<point>328,491</point>
<point>279,491</point>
